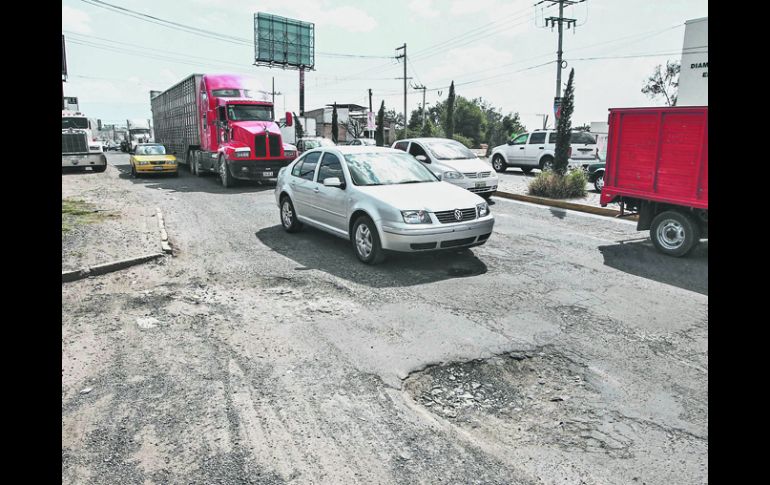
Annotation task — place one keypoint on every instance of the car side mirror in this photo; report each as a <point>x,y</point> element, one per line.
<point>422,158</point>
<point>510,142</point>
<point>333,182</point>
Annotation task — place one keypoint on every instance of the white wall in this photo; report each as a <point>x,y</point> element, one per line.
<point>693,79</point>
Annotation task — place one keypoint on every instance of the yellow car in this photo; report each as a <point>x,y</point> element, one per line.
<point>152,158</point>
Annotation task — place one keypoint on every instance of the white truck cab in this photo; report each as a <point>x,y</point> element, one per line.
<point>79,146</point>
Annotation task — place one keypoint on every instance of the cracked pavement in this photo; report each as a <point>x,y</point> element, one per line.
<point>565,350</point>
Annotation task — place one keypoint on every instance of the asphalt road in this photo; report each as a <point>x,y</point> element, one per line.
<point>565,350</point>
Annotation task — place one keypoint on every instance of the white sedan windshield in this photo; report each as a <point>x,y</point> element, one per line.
<point>449,150</point>
<point>387,169</point>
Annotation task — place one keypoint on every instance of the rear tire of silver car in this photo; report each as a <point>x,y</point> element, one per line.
<point>674,233</point>
<point>224,173</point>
<point>599,182</point>
<point>498,163</point>
<point>546,163</point>
<point>289,216</point>
<point>366,241</point>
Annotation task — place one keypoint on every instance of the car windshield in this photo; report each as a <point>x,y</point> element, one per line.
<point>368,142</point>
<point>79,123</point>
<point>151,150</point>
<point>449,150</point>
<point>249,112</point>
<point>323,142</point>
<point>385,168</point>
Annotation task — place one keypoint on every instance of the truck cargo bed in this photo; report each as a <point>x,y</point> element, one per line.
<point>175,116</point>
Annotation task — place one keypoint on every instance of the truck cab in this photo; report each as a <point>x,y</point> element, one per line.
<point>79,146</point>
<point>239,131</point>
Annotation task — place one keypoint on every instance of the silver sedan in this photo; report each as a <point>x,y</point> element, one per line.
<point>380,198</point>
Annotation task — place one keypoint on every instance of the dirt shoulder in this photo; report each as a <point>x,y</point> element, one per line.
<point>102,222</point>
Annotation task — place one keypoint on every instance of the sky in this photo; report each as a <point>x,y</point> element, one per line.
<point>499,50</point>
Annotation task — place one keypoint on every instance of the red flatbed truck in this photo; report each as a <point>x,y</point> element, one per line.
<point>657,167</point>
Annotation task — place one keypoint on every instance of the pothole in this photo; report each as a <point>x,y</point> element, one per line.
<point>538,397</point>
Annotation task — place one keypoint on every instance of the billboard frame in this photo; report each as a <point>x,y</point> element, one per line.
<point>273,46</point>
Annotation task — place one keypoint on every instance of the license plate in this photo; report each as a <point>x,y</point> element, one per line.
<point>157,168</point>
<point>267,174</point>
<point>480,185</point>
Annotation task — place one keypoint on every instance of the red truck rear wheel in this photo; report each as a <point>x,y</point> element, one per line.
<point>674,233</point>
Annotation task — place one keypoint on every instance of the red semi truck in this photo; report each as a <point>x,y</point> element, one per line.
<point>657,167</point>
<point>222,124</point>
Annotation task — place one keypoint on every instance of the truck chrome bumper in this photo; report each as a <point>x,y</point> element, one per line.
<point>83,159</point>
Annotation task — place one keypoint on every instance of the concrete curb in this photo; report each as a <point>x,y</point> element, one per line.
<point>105,268</point>
<point>599,211</point>
<point>164,244</point>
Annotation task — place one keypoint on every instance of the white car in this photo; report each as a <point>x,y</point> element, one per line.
<point>452,162</point>
<point>381,200</point>
<point>537,150</point>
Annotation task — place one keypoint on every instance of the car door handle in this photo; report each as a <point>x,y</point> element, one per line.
<point>541,148</point>
<point>521,148</point>
<point>315,189</point>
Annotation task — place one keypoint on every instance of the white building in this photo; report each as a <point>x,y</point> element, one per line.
<point>693,78</point>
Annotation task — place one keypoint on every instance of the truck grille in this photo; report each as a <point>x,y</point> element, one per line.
<point>447,217</point>
<point>74,143</point>
<point>260,146</point>
<point>275,145</point>
<point>473,175</point>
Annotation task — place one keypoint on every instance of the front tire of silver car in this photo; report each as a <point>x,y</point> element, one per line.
<point>366,241</point>
<point>289,216</point>
<point>546,164</point>
<point>498,163</point>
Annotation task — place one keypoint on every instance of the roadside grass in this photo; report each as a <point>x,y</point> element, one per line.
<point>76,212</point>
<point>550,184</point>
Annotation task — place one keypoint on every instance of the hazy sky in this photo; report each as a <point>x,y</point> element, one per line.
<point>495,46</point>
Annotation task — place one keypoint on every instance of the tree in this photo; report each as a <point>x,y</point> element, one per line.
<point>664,82</point>
<point>564,127</point>
<point>449,128</point>
<point>298,131</point>
<point>583,127</point>
<point>379,133</point>
<point>355,127</point>
<point>335,126</point>
<point>468,120</point>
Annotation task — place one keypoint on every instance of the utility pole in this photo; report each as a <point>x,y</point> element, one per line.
<point>423,102</point>
<point>545,120</point>
<point>274,93</point>
<point>405,113</point>
<point>371,113</point>
<point>370,99</point>
<point>560,20</point>
<point>301,91</point>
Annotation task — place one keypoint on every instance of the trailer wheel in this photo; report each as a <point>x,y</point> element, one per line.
<point>674,233</point>
<point>224,173</point>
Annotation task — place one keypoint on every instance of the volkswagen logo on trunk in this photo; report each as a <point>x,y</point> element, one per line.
<point>458,214</point>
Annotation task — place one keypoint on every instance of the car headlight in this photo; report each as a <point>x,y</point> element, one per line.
<point>289,153</point>
<point>242,152</point>
<point>172,162</point>
<point>143,162</point>
<point>451,176</point>
<point>416,217</point>
<point>482,209</point>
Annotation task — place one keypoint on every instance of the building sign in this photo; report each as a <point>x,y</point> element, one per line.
<point>370,124</point>
<point>693,77</point>
<point>283,42</point>
<point>557,108</point>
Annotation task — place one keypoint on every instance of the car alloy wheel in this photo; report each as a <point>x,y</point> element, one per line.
<point>363,241</point>
<point>599,183</point>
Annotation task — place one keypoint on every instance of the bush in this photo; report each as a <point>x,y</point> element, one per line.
<point>552,185</point>
<point>464,140</point>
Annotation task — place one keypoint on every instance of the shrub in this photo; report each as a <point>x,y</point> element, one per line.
<point>464,140</point>
<point>552,185</point>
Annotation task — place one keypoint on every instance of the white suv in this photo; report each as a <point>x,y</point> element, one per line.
<point>452,162</point>
<point>537,149</point>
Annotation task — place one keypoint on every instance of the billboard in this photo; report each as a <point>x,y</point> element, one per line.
<point>283,42</point>
<point>63,59</point>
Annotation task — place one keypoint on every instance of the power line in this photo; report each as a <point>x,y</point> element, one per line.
<point>206,33</point>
